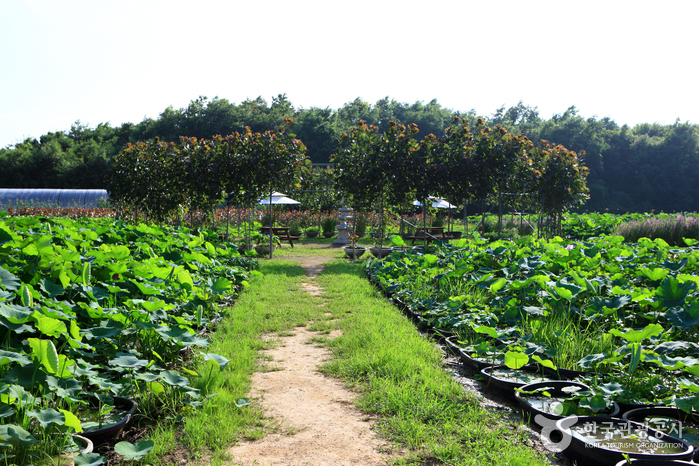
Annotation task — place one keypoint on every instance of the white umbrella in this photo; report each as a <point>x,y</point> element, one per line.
<point>438,203</point>
<point>277,198</point>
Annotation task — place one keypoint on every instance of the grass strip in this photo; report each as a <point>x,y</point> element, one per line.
<point>396,371</point>
<point>400,377</point>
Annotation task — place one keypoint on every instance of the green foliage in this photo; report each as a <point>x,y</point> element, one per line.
<point>328,224</point>
<point>627,311</point>
<point>295,228</point>
<point>160,177</point>
<point>360,224</point>
<point>98,307</point>
<point>648,167</point>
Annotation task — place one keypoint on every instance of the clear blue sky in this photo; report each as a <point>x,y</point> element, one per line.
<point>123,60</point>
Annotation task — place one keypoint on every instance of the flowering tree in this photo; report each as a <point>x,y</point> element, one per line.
<point>561,178</point>
<point>149,177</point>
<point>160,177</point>
<point>378,168</point>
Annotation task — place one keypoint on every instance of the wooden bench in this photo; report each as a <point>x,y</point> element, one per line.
<point>427,234</point>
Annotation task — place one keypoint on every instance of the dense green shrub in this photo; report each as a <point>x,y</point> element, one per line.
<point>360,225</point>
<point>328,224</point>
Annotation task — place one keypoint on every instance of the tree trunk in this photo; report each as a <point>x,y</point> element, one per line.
<point>270,222</point>
<point>499,215</point>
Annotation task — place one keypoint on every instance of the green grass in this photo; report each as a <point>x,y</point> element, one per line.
<point>396,372</point>
<point>400,378</point>
<point>570,337</point>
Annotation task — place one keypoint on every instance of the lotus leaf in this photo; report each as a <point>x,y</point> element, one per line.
<point>47,417</point>
<point>14,435</point>
<point>134,452</point>
<point>173,378</point>
<point>672,293</point>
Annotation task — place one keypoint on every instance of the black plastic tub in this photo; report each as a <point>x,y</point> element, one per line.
<point>591,440</point>
<point>505,380</point>
<point>637,462</point>
<point>108,433</point>
<point>556,391</point>
<point>655,416</point>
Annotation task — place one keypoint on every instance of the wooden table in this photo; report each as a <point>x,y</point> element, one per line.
<point>427,234</point>
<point>280,232</point>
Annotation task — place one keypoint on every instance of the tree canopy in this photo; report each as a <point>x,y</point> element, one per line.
<point>647,167</point>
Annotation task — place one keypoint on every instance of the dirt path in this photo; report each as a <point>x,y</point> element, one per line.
<point>319,424</point>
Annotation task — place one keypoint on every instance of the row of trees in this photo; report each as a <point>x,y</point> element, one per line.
<point>649,166</point>
<point>161,178</point>
<point>393,168</point>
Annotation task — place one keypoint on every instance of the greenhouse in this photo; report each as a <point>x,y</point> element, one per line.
<point>52,197</point>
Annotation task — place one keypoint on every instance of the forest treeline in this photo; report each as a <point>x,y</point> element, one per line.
<point>640,169</point>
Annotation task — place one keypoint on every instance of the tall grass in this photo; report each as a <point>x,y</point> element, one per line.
<point>669,228</point>
<point>569,337</point>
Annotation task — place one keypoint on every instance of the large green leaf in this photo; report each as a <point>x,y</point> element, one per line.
<point>134,452</point>
<point>490,331</point>
<point>44,351</point>
<point>686,317</point>
<point>51,327</point>
<point>672,293</point>
<point>5,235</point>
<point>128,360</point>
<point>221,285</point>
<point>50,288</point>
<point>655,274</point>
<point>173,378</point>
<point>637,336</point>
<point>220,360</point>
<point>14,314</point>
<point>516,359</point>
<point>72,421</point>
<point>47,417</point>
<point>101,332</point>
<point>15,435</point>
<point>8,280</point>
<point>591,360</point>
<point>498,285</point>
<point>89,459</point>
<point>6,410</point>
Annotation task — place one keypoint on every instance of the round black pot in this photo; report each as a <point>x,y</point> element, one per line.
<point>381,253</point>
<point>569,374</point>
<point>507,386</point>
<point>556,391</point>
<point>354,253</point>
<point>441,335</point>
<point>312,233</point>
<point>328,234</point>
<point>639,415</point>
<point>263,250</point>
<point>477,364</point>
<point>107,433</point>
<point>453,347</point>
<point>586,452</point>
<point>637,462</point>
<point>626,407</point>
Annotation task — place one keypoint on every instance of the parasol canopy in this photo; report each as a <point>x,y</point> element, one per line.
<point>277,198</point>
<point>438,203</point>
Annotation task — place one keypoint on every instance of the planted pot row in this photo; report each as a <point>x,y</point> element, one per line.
<point>572,418</point>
